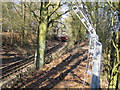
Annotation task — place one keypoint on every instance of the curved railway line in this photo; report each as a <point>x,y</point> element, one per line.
<point>18,65</point>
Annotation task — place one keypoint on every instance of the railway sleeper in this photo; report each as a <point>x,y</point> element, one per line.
<point>20,73</point>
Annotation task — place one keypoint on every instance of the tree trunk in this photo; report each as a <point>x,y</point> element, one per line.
<point>41,36</point>
<point>115,63</point>
<point>24,22</point>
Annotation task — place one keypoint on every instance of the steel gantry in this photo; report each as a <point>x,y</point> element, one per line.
<point>95,47</point>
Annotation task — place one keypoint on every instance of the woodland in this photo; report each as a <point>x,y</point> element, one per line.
<point>31,28</point>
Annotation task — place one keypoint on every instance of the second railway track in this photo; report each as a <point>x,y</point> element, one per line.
<point>17,66</point>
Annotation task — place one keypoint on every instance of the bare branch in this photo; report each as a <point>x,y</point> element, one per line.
<point>55,9</point>
<point>17,10</point>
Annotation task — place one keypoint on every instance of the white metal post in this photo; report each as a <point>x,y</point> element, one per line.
<point>95,49</point>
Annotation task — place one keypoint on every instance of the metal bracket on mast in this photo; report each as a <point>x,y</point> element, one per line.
<point>95,49</point>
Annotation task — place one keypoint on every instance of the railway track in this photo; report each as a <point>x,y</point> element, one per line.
<point>17,66</point>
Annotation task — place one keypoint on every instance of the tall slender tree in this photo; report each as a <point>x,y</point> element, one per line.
<point>44,22</point>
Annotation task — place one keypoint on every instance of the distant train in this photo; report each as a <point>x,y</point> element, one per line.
<point>63,38</point>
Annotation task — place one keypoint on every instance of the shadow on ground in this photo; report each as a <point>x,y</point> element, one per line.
<point>12,58</point>
<point>46,76</point>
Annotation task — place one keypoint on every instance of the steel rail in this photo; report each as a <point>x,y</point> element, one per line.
<point>14,67</point>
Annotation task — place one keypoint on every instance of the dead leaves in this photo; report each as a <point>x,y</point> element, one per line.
<point>64,72</point>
